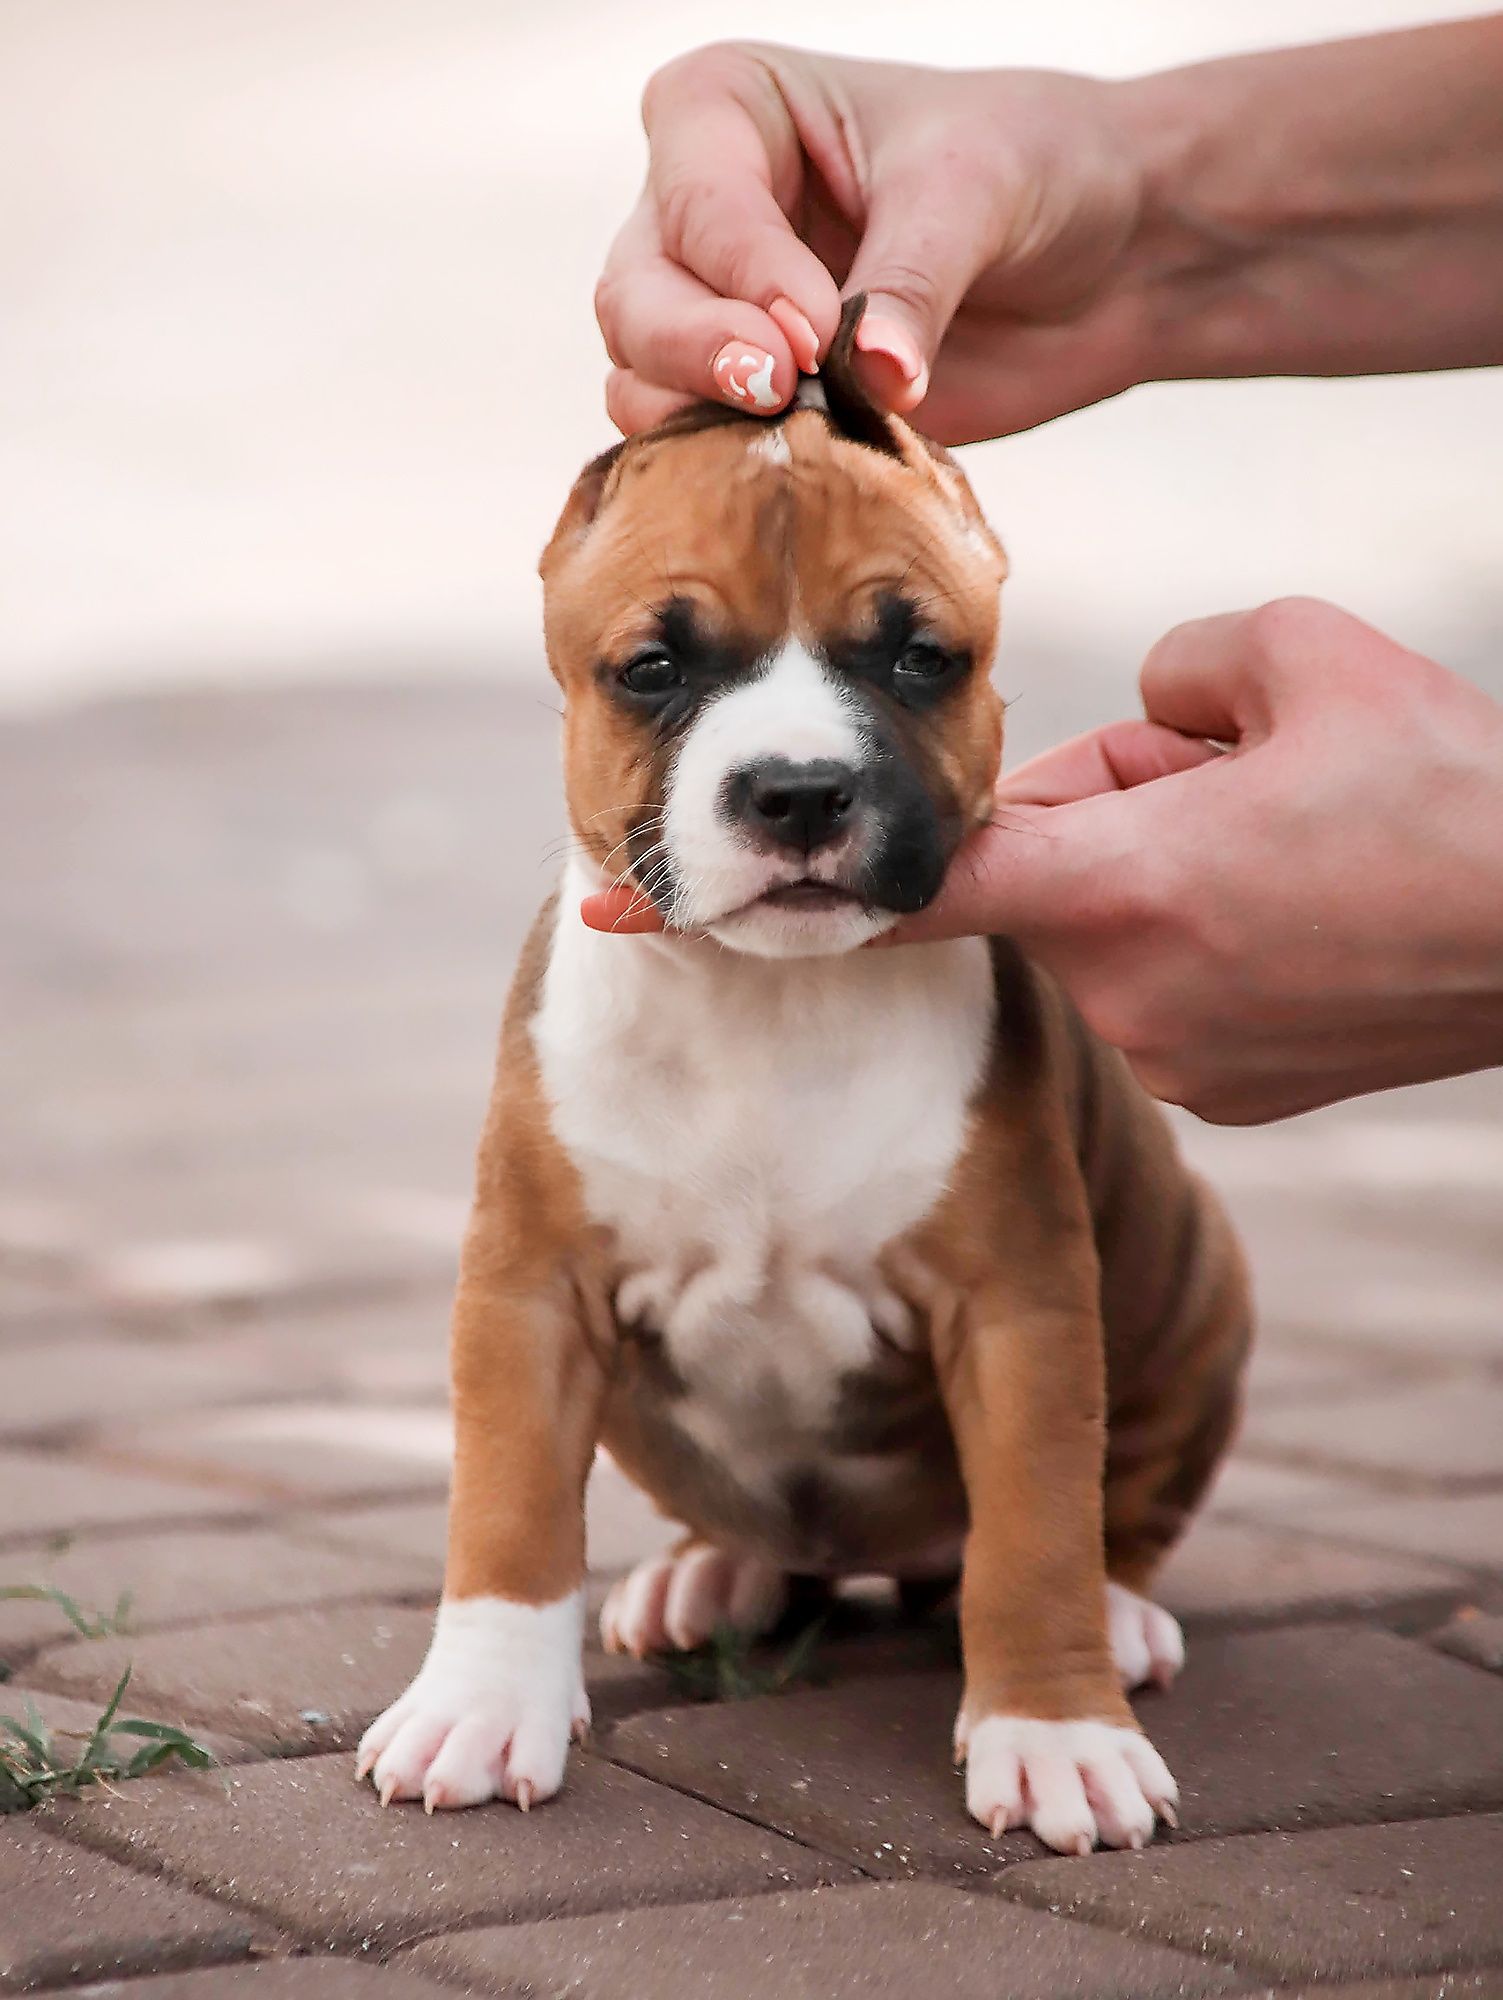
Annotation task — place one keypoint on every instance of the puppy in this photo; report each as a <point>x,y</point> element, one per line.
<point>856,1261</point>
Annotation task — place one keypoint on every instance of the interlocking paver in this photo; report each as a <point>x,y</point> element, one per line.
<point>1316,1725</point>
<point>896,1939</point>
<point>55,1385</point>
<point>1476,1636</point>
<point>321,1978</point>
<point>189,1574</point>
<point>1230,1571</point>
<point>54,1493</point>
<point>1457,1527</point>
<point>1251,1488</point>
<point>299,1451</point>
<point>303,1680</point>
<point>67,1914</point>
<point>1446,1432</point>
<point>1354,1902</point>
<point>305,1844</point>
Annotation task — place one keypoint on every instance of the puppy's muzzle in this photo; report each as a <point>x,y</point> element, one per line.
<point>793,808</point>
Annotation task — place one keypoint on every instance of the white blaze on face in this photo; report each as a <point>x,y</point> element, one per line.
<point>795,711</point>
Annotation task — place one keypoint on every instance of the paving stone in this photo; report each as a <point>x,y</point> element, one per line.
<point>299,1451</point>
<point>380,1348</point>
<point>897,1939</point>
<point>1447,1432</point>
<point>1456,1527</point>
<point>302,1680</point>
<point>190,1574</point>
<point>1443,1986</point>
<point>1354,1902</point>
<point>1237,1572</point>
<point>67,1914</point>
<point>1312,1726</point>
<point>63,1385</point>
<point>304,1843</point>
<point>320,1978</point>
<point>1476,1636</point>
<point>54,1493</point>
<point>1257,1489</point>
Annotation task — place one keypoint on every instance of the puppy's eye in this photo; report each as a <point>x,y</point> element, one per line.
<point>652,671</point>
<point>922,660</point>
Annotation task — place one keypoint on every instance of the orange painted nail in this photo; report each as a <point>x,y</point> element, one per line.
<point>886,340</point>
<point>798,330</point>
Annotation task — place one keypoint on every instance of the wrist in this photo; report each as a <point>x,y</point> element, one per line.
<point>1332,209</point>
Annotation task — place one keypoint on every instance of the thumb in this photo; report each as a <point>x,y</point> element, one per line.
<point>925,242</point>
<point>1012,876</point>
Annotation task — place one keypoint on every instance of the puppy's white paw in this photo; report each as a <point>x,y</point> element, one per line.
<point>1073,1783</point>
<point>491,1711</point>
<point>1147,1643</point>
<point>672,1603</point>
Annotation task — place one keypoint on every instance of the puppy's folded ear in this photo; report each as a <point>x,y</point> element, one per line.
<point>582,505</point>
<point>849,406</point>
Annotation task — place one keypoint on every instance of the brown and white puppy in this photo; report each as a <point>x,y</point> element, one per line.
<point>854,1260</point>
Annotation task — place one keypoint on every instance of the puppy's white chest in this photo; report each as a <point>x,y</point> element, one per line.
<point>755,1134</point>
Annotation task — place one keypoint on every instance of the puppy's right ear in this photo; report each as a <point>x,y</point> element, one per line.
<point>582,505</point>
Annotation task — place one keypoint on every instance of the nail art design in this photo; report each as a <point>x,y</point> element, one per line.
<point>745,375</point>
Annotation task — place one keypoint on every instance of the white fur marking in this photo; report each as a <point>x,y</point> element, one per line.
<point>1073,1783</point>
<point>794,710</point>
<point>1147,1643</point>
<point>491,1711</point>
<point>805,1114</point>
<point>675,1603</point>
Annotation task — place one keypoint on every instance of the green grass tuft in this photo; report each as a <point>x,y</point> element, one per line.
<point>725,1669</point>
<point>37,1763</point>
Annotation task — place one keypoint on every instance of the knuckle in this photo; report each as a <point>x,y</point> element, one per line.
<point>1291,622</point>
<point>687,75</point>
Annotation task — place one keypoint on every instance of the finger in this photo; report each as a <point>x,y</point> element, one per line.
<point>621,912</point>
<point>1114,759</point>
<point>725,169</point>
<point>927,236</point>
<point>633,404</point>
<point>665,325</point>
<point>1203,679</point>
<point>1027,868</point>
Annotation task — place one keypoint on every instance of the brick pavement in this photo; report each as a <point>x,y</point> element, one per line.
<point>248,1033</point>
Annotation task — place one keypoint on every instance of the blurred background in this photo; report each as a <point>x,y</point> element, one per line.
<point>296,364</point>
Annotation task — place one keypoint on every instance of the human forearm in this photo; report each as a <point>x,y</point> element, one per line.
<point>1333,210</point>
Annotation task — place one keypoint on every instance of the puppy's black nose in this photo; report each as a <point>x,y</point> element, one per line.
<point>800,806</point>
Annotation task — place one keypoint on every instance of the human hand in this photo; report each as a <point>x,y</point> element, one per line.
<point>1315,913</point>
<point>986,214</point>
<point>1312,913</point>
<point>1033,242</point>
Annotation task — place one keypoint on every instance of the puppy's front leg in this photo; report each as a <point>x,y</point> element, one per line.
<point>1047,1736</point>
<point>495,1703</point>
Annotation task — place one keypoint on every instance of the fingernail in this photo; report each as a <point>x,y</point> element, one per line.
<point>798,330</point>
<point>887,340</point>
<point>743,375</point>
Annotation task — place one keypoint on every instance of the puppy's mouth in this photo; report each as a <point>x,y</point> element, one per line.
<point>808,895</point>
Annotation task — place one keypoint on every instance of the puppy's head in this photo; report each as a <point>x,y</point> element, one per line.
<point>774,639</point>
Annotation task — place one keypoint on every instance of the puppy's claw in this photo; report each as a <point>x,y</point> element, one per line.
<point>524,1795</point>
<point>999,1823</point>
<point>1081,1845</point>
<point>388,1791</point>
<point>1169,1813</point>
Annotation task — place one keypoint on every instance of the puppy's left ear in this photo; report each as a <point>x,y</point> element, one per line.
<point>581,507</point>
